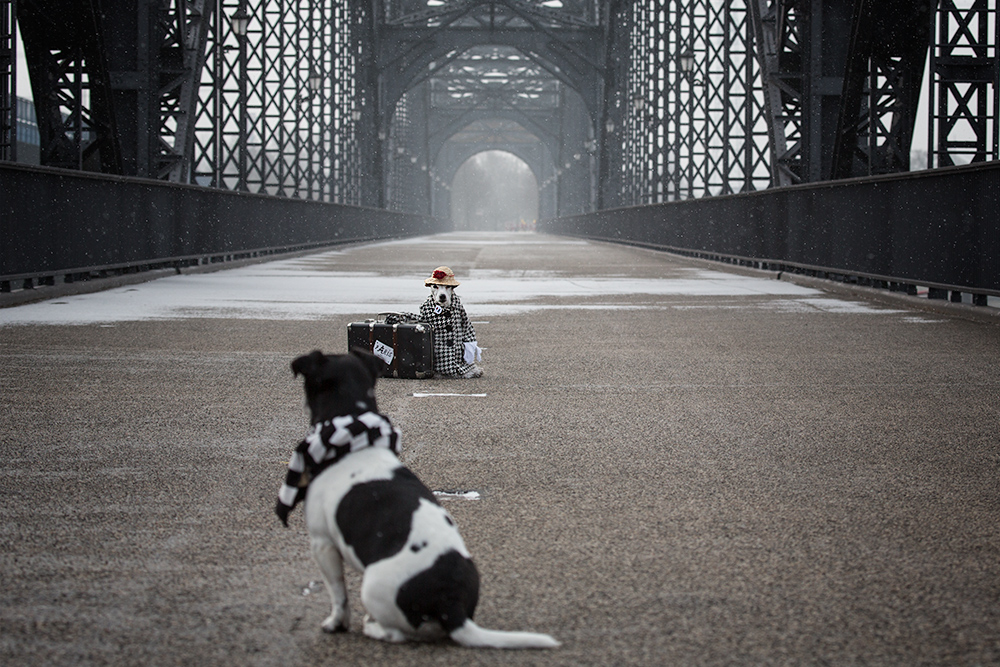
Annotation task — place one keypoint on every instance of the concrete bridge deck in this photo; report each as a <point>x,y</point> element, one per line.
<point>677,464</point>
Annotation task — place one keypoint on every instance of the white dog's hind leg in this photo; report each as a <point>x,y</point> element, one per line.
<point>375,630</point>
<point>331,565</point>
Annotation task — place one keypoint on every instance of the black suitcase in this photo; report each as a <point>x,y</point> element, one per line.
<point>407,347</point>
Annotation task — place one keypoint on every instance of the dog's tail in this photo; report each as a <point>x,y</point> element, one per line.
<point>473,636</point>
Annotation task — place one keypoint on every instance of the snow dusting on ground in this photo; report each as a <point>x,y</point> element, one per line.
<point>304,288</point>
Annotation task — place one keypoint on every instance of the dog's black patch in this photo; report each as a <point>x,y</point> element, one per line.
<point>446,592</point>
<point>374,517</point>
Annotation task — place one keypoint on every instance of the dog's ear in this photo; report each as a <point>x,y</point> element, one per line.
<point>307,364</point>
<point>372,364</point>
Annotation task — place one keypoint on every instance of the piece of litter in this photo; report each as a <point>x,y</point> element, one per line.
<point>464,495</point>
<point>426,395</point>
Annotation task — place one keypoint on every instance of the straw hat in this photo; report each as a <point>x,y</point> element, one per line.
<point>442,275</point>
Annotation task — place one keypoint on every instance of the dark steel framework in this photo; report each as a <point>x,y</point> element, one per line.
<point>280,104</point>
<point>691,111</point>
<point>8,81</point>
<point>965,63</point>
<point>626,102</point>
<point>478,75</point>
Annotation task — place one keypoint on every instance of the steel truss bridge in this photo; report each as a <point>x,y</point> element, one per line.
<point>377,103</point>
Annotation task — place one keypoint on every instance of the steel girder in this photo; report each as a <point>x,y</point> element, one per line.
<point>780,91</point>
<point>280,108</point>
<point>884,71</point>
<point>805,49</point>
<point>802,55</point>
<point>964,125</point>
<point>8,80</point>
<point>409,56</point>
<point>687,114</point>
<point>66,50</point>
<point>166,89</point>
<point>113,82</point>
<point>786,91</point>
<point>480,59</point>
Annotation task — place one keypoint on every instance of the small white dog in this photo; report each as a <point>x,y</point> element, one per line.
<point>363,507</point>
<point>455,348</point>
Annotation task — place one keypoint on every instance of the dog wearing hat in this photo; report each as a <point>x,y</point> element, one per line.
<point>455,349</point>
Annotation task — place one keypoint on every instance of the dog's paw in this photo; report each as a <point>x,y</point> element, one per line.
<point>339,622</point>
<point>376,630</point>
<point>475,372</point>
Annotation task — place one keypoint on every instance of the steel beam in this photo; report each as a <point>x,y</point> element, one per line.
<point>965,66</point>
<point>67,58</point>
<point>8,80</point>
<point>885,69</point>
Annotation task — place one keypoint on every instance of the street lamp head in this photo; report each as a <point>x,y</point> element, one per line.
<point>686,61</point>
<point>609,126</point>
<point>240,21</point>
<point>356,115</point>
<point>315,81</point>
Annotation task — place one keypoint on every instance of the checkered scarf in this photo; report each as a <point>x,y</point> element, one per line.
<point>451,328</point>
<point>329,442</point>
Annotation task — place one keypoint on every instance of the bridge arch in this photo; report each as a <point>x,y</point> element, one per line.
<point>492,134</point>
<point>494,190</point>
<point>576,62</point>
<point>549,128</point>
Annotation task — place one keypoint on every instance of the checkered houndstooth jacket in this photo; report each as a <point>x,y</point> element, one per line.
<point>452,329</point>
<point>329,442</point>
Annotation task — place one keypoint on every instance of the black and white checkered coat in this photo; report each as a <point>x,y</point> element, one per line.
<point>452,329</point>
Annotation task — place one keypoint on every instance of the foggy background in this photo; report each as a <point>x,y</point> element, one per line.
<point>494,191</point>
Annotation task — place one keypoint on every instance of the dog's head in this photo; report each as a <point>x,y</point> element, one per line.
<point>442,283</point>
<point>441,294</point>
<point>338,384</point>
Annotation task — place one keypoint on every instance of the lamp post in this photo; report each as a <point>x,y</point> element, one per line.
<point>686,63</point>
<point>240,22</point>
<point>307,120</point>
<point>313,85</point>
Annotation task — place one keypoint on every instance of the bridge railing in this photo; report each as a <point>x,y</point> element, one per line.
<point>938,228</point>
<point>60,225</point>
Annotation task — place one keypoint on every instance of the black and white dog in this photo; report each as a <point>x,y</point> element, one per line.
<point>455,348</point>
<point>363,507</point>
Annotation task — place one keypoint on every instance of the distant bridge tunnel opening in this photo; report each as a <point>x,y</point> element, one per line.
<point>494,191</point>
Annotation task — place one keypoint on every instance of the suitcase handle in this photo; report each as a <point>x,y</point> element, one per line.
<point>398,318</point>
